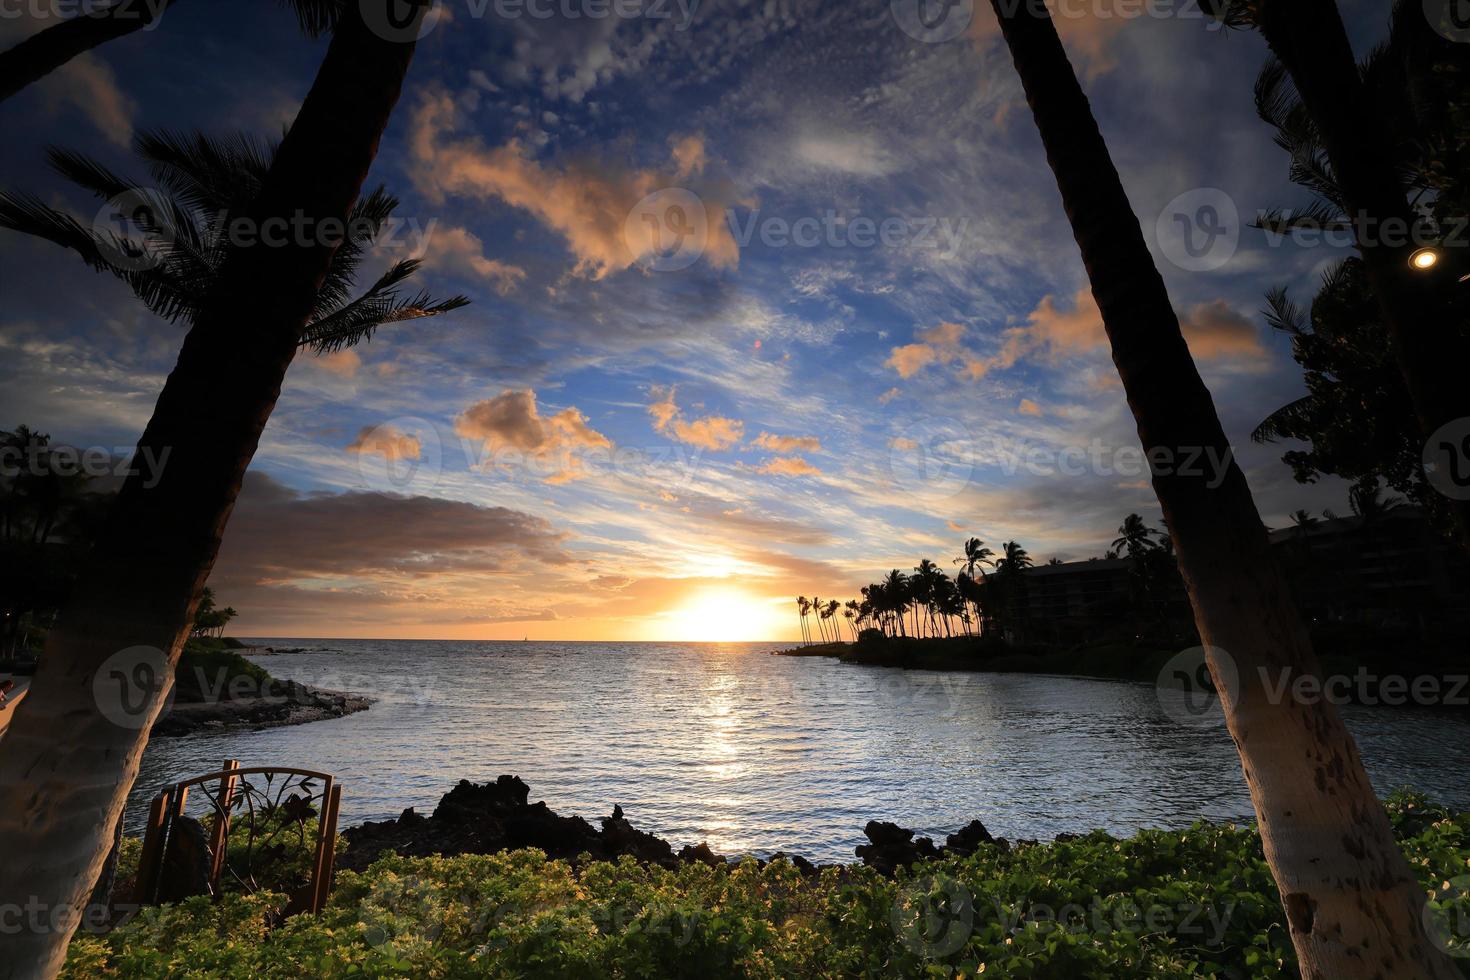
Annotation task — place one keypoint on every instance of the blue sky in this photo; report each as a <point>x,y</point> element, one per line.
<point>605,447</point>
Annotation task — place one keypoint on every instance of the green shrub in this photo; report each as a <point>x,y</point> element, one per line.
<point>1193,903</point>
<point>209,669</point>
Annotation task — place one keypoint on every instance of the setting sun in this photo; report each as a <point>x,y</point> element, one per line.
<point>722,615</point>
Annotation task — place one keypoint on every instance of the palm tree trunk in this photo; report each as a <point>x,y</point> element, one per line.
<point>66,767</point>
<point>1351,901</point>
<point>47,50</point>
<point>1431,350</point>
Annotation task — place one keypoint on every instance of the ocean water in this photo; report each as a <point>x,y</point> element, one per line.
<point>755,753</point>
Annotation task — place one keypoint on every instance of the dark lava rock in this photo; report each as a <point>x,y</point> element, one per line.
<point>968,838</point>
<point>490,817</point>
<point>800,863</point>
<point>894,847</point>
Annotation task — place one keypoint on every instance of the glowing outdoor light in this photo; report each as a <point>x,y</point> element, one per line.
<point>1424,259</point>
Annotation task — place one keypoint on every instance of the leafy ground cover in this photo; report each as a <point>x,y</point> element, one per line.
<point>1191,903</point>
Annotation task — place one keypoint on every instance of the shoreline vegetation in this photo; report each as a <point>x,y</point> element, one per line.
<point>1369,664</point>
<point>1112,661</point>
<point>492,885</point>
<point>216,689</point>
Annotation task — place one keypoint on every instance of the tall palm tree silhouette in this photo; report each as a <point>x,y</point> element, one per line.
<point>1351,900</point>
<point>974,558</point>
<point>1348,146</point>
<point>67,767</point>
<point>896,597</point>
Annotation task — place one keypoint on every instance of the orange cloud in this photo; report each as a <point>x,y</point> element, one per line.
<point>1029,407</point>
<point>511,428</point>
<point>789,466</point>
<point>1216,330</point>
<point>713,432</point>
<point>385,441</point>
<point>788,444</point>
<point>587,202</point>
<point>1213,330</point>
<point>343,363</point>
<point>935,345</point>
<point>688,156</point>
<point>460,250</point>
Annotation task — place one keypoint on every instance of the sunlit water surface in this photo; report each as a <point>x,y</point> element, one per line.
<point>755,753</point>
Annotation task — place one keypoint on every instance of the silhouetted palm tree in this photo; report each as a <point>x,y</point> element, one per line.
<point>1134,536</point>
<point>207,184</point>
<point>897,597</point>
<point>67,768</point>
<point>1349,145</point>
<point>975,557</point>
<point>851,612</point>
<point>1351,901</point>
<point>924,588</point>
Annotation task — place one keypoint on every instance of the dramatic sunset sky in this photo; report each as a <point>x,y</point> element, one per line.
<point>603,449</point>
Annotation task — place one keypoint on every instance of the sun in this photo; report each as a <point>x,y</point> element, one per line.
<point>721,615</point>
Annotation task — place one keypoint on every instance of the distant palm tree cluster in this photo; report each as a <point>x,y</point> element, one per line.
<point>985,597</point>
<point>927,602</point>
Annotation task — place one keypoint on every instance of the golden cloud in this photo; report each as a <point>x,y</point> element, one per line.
<point>788,444</point>
<point>788,466</point>
<point>460,250</point>
<point>1052,333</point>
<point>511,423</point>
<point>342,363</point>
<point>385,441</point>
<point>587,202</point>
<point>713,432</point>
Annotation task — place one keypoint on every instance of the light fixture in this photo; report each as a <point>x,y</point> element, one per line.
<point>1424,259</point>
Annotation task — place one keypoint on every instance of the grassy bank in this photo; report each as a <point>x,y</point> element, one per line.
<point>211,665</point>
<point>1194,903</point>
<point>1114,661</point>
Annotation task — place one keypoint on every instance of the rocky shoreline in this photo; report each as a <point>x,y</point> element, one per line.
<point>286,703</point>
<point>491,817</point>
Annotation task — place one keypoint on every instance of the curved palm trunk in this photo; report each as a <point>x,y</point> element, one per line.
<point>1351,901</point>
<point>1308,38</point>
<point>65,768</point>
<point>47,50</point>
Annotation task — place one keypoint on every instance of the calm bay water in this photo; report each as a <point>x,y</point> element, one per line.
<point>755,753</point>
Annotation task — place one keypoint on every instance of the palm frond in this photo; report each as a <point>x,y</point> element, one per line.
<point>1275,96</point>
<point>203,181</point>
<point>30,216</point>
<point>1285,421</point>
<point>355,322</point>
<point>215,174</point>
<point>1283,314</point>
<point>1315,216</point>
<point>317,17</point>
<point>1314,172</point>
<point>363,226</point>
<point>87,173</point>
<point>1233,14</point>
